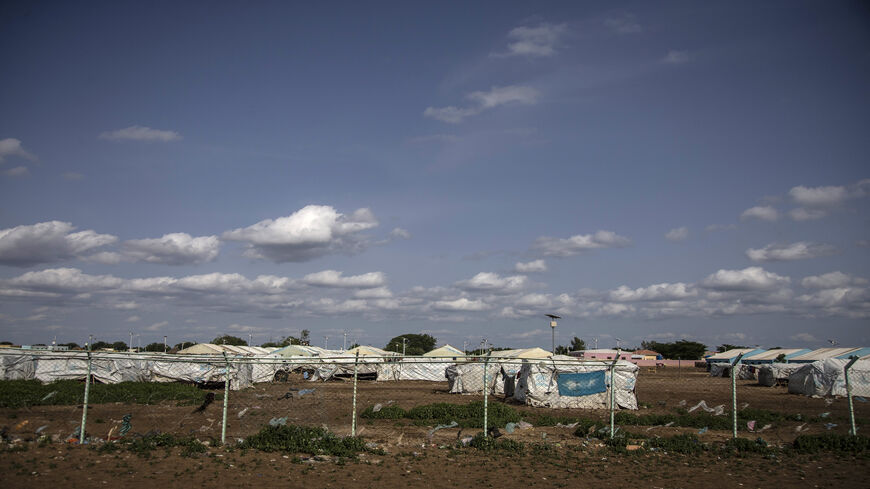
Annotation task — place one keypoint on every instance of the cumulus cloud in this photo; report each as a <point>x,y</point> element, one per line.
<point>492,282</point>
<point>832,280</point>
<point>64,279</point>
<point>373,293</point>
<point>762,212</point>
<point>657,292</point>
<point>311,232</point>
<point>461,304</point>
<point>534,266</point>
<point>818,202</point>
<point>482,101</point>
<point>801,214</point>
<point>624,24</point>
<point>400,233</point>
<point>579,243</point>
<point>677,234</point>
<point>173,249</point>
<point>801,250</point>
<point>332,278</point>
<point>675,57</point>
<point>805,337</point>
<point>748,279</point>
<point>47,242</point>
<point>18,171</point>
<point>157,326</point>
<point>13,147</point>
<point>540,40</point>
<point>140,133</point>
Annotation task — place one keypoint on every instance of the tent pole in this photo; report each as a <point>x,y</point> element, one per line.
<point>853,430</point>
<point>734,395</point>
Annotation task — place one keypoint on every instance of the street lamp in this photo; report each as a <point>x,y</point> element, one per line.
<point>404,344</point>
<point>553,319</point>
<point>164,343</point>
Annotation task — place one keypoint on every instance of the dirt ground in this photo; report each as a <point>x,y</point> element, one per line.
<point>413,458</point>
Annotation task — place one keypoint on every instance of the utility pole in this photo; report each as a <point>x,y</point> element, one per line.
<point>404,344</point>
<point>250,339</point>
<point>344,347</point>
<point>164,343</point>
<point>130,346</point>
<point>325,342</point>
<point>553,319</point>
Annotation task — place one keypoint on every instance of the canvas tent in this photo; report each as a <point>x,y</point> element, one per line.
<point>444,351</point>
<point>579,385</point>
<point>776,373</point>
<point>827,378</point>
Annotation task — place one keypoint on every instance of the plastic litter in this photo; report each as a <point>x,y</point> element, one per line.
<point>49,396</point>
<point>39,430</point>
<point>305,391</point>
<point>242,412</point>
<point>702,430</point>
<point>524,425</point>
<point>800,428</point>
<point>465,441</point>
<point>859,399</point>
<point>717,411</point>
<point>125,424</point>
<point>750,425</point>
<point>828,402</point>
<point>669,424</point>
<point>377,408</point>
<point>305,375</point>
<point>22,424</point>
<point>278,421</point>
<point>683,402</point>
<point>744,405</point>
<point>830,425</point>
<point>510,427</point>
<point>824,415</point>
<point>766,427</point>
<point>452,424</point>
<point>572,425</point>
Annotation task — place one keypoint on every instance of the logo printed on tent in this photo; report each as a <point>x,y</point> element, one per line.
<point>581,384</point>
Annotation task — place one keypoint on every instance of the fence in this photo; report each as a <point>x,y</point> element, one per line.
<point>82,396</point>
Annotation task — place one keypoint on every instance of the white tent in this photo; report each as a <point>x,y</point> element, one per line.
<point>774,373</point>
<point>578,385</point>
<point>827,378</point>
<point>444,351</point>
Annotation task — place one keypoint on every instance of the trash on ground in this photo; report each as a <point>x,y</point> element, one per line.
<point>278,421</point>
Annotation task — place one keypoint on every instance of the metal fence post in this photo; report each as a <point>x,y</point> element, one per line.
<point>85,403</point>
<point>734,395</point>
<point>226,399</point>
<point>853,429</point>
<point>612,396</point>
<point>353,415</point>
<point>485,394</point>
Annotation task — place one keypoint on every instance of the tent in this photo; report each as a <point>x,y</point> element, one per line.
<point>827,378</point>
<point>744,372</point>
<point>576,385</point>
<point>776,373</point>
<point>371,351</point>
<point>445,351</point>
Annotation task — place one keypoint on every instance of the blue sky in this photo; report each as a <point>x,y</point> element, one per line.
<point>668,171</point>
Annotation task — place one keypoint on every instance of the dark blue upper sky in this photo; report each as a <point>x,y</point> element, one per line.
<point>648,171</point>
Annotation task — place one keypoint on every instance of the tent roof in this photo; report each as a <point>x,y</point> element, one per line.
<point>772,354</point>
<point>732,354</point>
<point>371,351</point>
<point>822,354</point>
<point>444,351</point>
<point>201,349</point>
<point>523,353</point>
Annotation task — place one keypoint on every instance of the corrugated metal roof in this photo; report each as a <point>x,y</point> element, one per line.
<point>821,354</point>
<point>861,353</point>
<point>770,355</point>
<point>732,354</point>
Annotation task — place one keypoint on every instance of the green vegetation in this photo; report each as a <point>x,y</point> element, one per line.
<point>229,340</point>
<point>300,439</point>
<point>22,393</point>
<point>144,445</point>
<point>830,442</point>
<point>576,345</point>
<point>466,415</point>
<point>415,344</point>
<point>684,350</point>
<point>303,339</point>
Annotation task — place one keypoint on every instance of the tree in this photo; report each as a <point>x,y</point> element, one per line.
<point>99,345</point>
<point>683,349</point>
<point>780,358</point>
<point>119,346</point>
<point>183,345</point>
<point>727,347</point>
<point>305,337</point>
<point>577,344</point>
<point>229,340</point>
<point>6,343</point>
<point>415,344</point>
<point>70,345</point>
<point>154,347</point>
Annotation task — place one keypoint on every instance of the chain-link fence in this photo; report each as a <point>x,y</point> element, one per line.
<point>88,396</point>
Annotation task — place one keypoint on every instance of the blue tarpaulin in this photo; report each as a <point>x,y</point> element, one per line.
<point>581,384</point>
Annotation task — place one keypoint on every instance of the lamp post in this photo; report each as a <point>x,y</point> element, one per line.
<point>404,345</point>
<point>325,342</point>
<point>130,346</point>
<point>164,343</point>
<point>553,319</point>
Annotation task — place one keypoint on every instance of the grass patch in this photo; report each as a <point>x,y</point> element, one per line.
<point>831,442</point>
<point>488,443</point>
<point>466,415</point>
<point>23,393</point>
<point>300,439</point>
<point>144,445</point>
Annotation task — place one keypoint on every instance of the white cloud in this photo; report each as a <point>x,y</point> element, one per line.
<point>332,278</point>
<point>461,304</point>
<point>831,280</point>
<point>675,57</point>
<point>534,266</point>
<point>748,279</point>
<point>65,279</point>
<point>133,319</point>
<point>818,196</point>
<point>677,234</point>
<point>140,133</point>
<point>625,24</point>
<point>13,147</point>
<point>540,40</point>
<point>801,214</point>
<point>18,171</point>
<point>400,233</point>
<point>157,326</point>
<point>579,243</point>
<point>492,282</point>
<point>173,249</point>
<point>801,250</point>
<point>496,96</point>
<point>311,232</point>
<point>373,293</point>
<point>763,212</point>
<point>47,242</point>
<point>805,337</point>
<point>657,292</point>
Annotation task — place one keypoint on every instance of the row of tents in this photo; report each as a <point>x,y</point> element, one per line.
<point>761,356</point>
